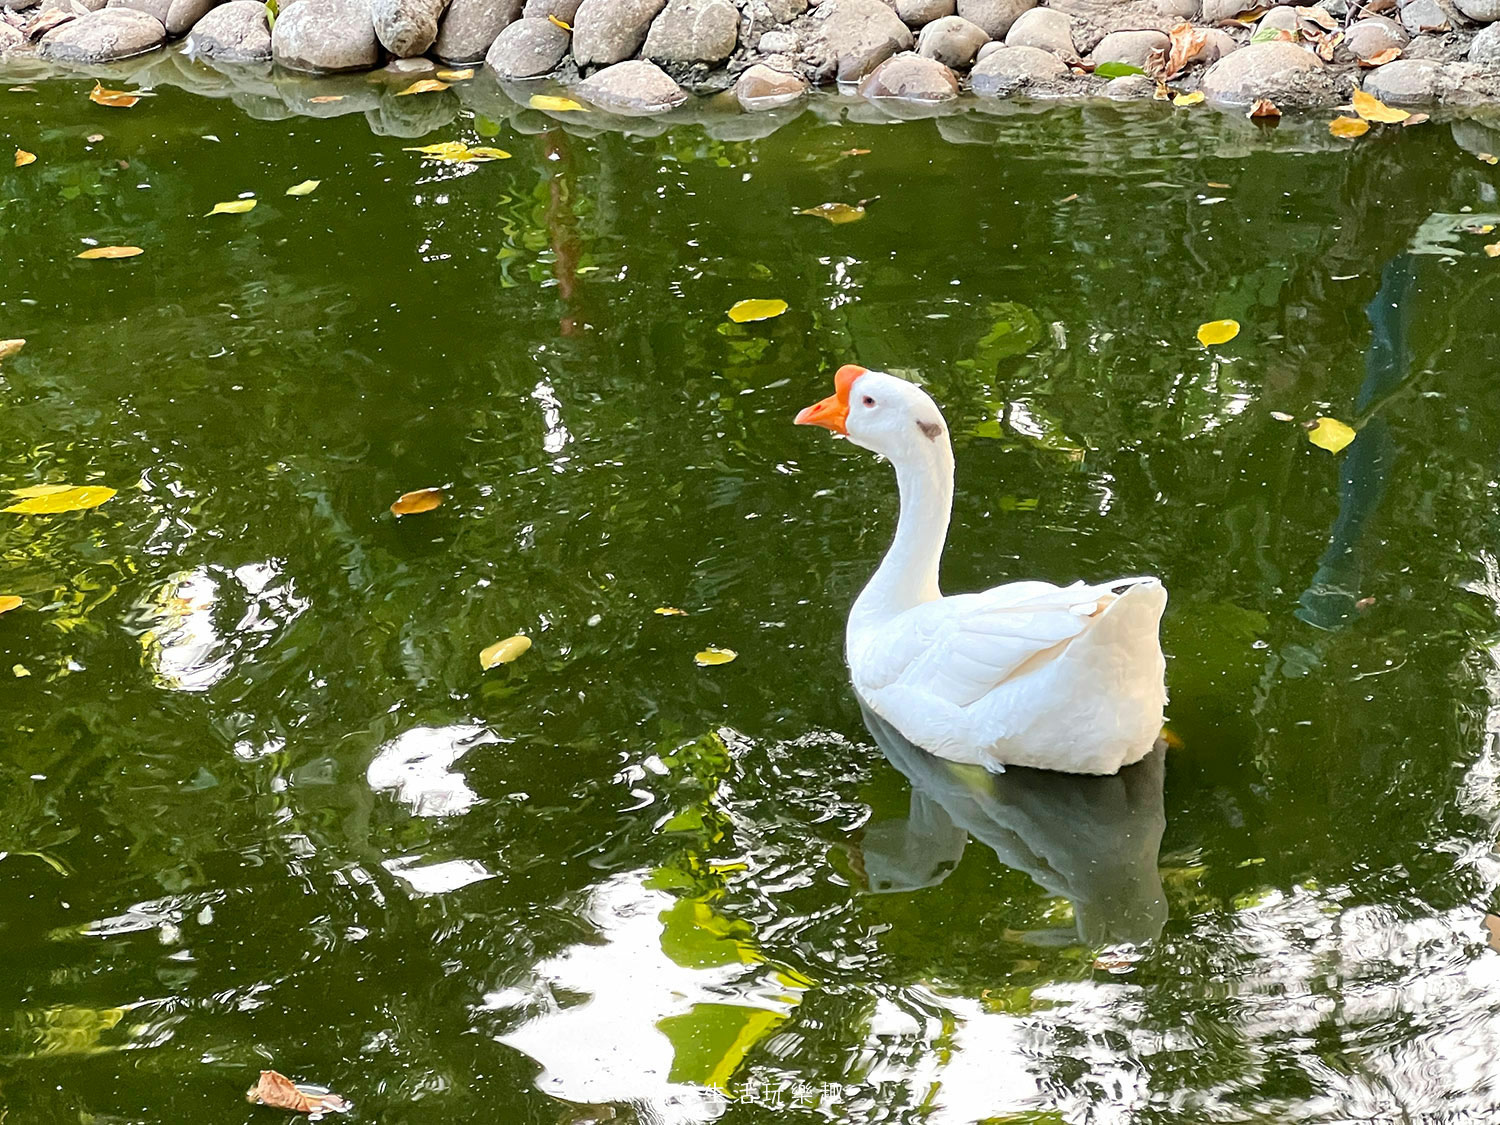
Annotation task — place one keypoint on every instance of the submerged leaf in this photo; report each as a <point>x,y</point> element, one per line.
<point>503,652</point>
<point>326,99</point>
<point>1330,434</point>
<point>279,1092</point>
<point>758,309</point>
<point>712,656</point>
<point>115,99</point>
<point>1372,108</point>
<point>9,348</point>
<point>425,86</point>
<point>1349,127</point>
<point>1195,98</point>
<point>669,611</point>
<point>414,503</point>
<point>1218,332</point>
<point>8,602</point>
<point>1492,250</point>
<point>836,213</point>
<point>24,158</point>
<point>233,207</point>
<point>554,104</point>
<point>456,75</point>
<point>306,187</point>
<point>111,252</point>
<point>71,499</point>
<point>456,152</point>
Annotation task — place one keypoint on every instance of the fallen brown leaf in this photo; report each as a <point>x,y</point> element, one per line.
<point>24,158</point>
<point>1318,15</point>
<point>116,99</point>
<point>279,1092</point>
<point>1415,119</point>
<point>1068,198</point>
<point>1380,58</point>
<point>1214,184</point>
<point>415,503</point>
<point>1348,127</point>
<point>9,348</point>
<point>1187,43</point>
<point>855,152</point>
<point>111,252</point>
<point>1492,250</point>
<point>1372,108</point>
<point>425,86</point>
<point>1264,107</point>
<point>324,99</point>
<point>8,602</point>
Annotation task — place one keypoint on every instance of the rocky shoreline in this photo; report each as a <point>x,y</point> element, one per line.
<point>640,58</point>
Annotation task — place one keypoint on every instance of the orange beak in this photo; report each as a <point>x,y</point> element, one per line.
<point>832,412</point>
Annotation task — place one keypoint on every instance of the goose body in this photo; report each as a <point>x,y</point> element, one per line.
<point>1067,678</point>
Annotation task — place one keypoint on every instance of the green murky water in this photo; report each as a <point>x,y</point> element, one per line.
<point>259,806</point>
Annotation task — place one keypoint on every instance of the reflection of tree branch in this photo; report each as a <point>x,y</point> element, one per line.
<point>562,225</point>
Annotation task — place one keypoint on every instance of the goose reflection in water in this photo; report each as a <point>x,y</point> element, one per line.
<point>1091,840</point>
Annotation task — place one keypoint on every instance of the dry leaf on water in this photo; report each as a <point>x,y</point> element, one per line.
<point>425,86</point>
<point>503,652</point>
<point>306,187</point>
<point>1187,44</point>
<point>115,99</point>
<point>1488,158</point>
<point>837,213</point>
<point>111,252</point>
<point>1195,98</point>
<point>1380,58</point>
<point>1281,416</point>
<point>233,207</point>
<point>9,348</point>
<point>758,309</point>
<point>24,158</point>
<point>325,99</point>
<point>455,75</point>
<point>669,611</point>
<point>1218,332</point>
<point>855,152</point>
<point>1492,250</point>
<point>1348,127</point>
<point>8,602</point>
<point>279,1092</point>
<point>1330,434</point>
<point>69,499</point>
<point>1415,119</point>
<point>554,104</point>
<point>414,503</point>
<point>456,152</point>
<point>1264,107</point>
<point>713,655</point>
<point>1372,108</point>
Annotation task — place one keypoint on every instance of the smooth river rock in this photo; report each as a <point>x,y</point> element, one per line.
<point>1004,71</point>
<point>919,13</point>
<point>995,16</point>
<point>910,78</point>
<point>529,48</point>
<point>1480,11</point>
<point>1485,48</point>
<point>632,89</point>
<point>325,35</point>
<point>233,32</point>
<point>1044,28</point>
<point>565,10</point>
<point>405,28</point>
<point>1281,71</point>
<point>1418,16</point>
<point>952,41</point>
<point>10,38</point>
<point>1368,37</point>
<point>103,36</point>
<point>850,38</point>
<point>177,16</point>
<point>469,27</point>
<point>760,88</point>
<point>693,31</point>
<point>1133,48</point>
<point>609,31</point>
<point>1405,81</point>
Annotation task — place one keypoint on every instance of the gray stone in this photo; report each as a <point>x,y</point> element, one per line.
<point>1182,9</point>
<point>608,31</point>
<point>1368,37</point>
<point>777,41</point>
<point>988,49</point>
<point>1480,11</point>
<point>632,89</point>
<point>920,13</point>
<point>1129,88</point>
<point>1485,48</point>
<point>1005,71</point>
<point>157,9</point>
<point>759,16</point>
<point>405,28</point>
<point>761,88</point>
<point>233,32</point>
<point>10,38</point>
<point>103,36</point>
<point>529,48</point>
<point>1130,47</point>
<point>850,38</point>
<point>1283,18</point>
<point>995,16</point>
<point>910,78</point>
<point>565,10</point>
<point>1279,71</point>
<point>1219,44</point>
<point>469,27</point>
<point>183,14</point>
<point>1404,82</point>
<point>1217,11</point>
<point>1468,84</point>
<point>1418,16</point>
<point>952,41</point>
<point>325,35</point>
<point>693,31</point>
<point>1046,28</point>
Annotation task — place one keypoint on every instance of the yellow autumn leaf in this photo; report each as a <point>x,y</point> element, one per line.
<point>457,152</point>
<point>503,652</point>
<point>711,656</point>
<point>414,503</point>
<point>306,187</point>
<point>425,86</point>
<point>233,207</point>
<point>1488,158</point>
<point>1348,127</point>
<point>555,22</point>
<point>40,490</point>
<point>1372,108</point>
<point>115,99</point>
<point>9,348</point>
<point>1492,250</point>
<point>758,309</point>
<point>24,158</point>
<point>442,148</point>
<point>669,611</point>
<point>1330,434</point>
<point>836,213</point>
<point>73,499</point>
<point>8,602</point>
<point>456,75</point>
<point>483,152</point>
<point>554,104</point>
<point>1195,98</point>
<point>111,252</point>
<point>1218,332</point>
<point>19,671</point>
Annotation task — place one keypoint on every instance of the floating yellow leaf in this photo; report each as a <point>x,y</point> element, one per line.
<point>9,348</point>
<point>306,187</point>
<point>1372,108</point>
<point>233,207</point>
<point>111,252</point>
<point>8,602</point>
<point>71,499</point>
<point>483,152</point>
<point>1349,127</point>
<point>414,503</point>
<point>1488,158</point>
<point>24,158</point>
<point>325,99</point>
<point>116,99</point>
<point>442,148</point>
<point>456,152</point>
<point>40,490</point>
<point>712,656</point>
<point>425,86</point>
<point>1330,434</point>
<point>1264,107</point>
<point>503,652</point>
<point>836,213</point>
<point>1492,250</point>
<point>758,309</point>
<point>1218,332</point>
<point>19,671</point>
<point>1195,98</point>
<point>555,22</point>
<point>455,75</point>
<point>554,104</point>
<point>670,611</point>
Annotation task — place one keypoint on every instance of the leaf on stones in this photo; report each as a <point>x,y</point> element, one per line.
<point>233,207</point>
<point>836,213</point>
<point>1318,15</point>
<point>1330,434</point>
<point>1415,119</point>
<point>713,656</point>
<point>8,602</point>
<point>1264,107</point>
<point>1492,250</point>
<point>1187,43</point>
<point>1116,70</point>
<point>1218,332</point>
<point>325,99</point>
<point>759,309</point>
<point>306,187</point>
<point>1380,58</point>
<point>1195,98</point>
<point>555,22</point>
<point>456,75</point>
<point>115,99</point>
<point>503,652</point>
<point>669,611</point>
<point>1372,108</point>
<point>111,252</point>
<point>24,158</point>
<point>74,498</point>
<point>9,348</point>
<point>1349,127</point>
<point>554,104</point>
<point>425,86</point>
<point>279,1092</point>
<point>414,503</point>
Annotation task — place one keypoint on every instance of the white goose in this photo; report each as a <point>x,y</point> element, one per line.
<point>1031,674</point>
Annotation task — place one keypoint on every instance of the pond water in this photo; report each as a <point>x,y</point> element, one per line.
<point>260,806</point>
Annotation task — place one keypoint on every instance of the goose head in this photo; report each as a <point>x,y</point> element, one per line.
<point>879,412</point>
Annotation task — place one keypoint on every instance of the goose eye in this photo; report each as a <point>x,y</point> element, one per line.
<point>868,401</point>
